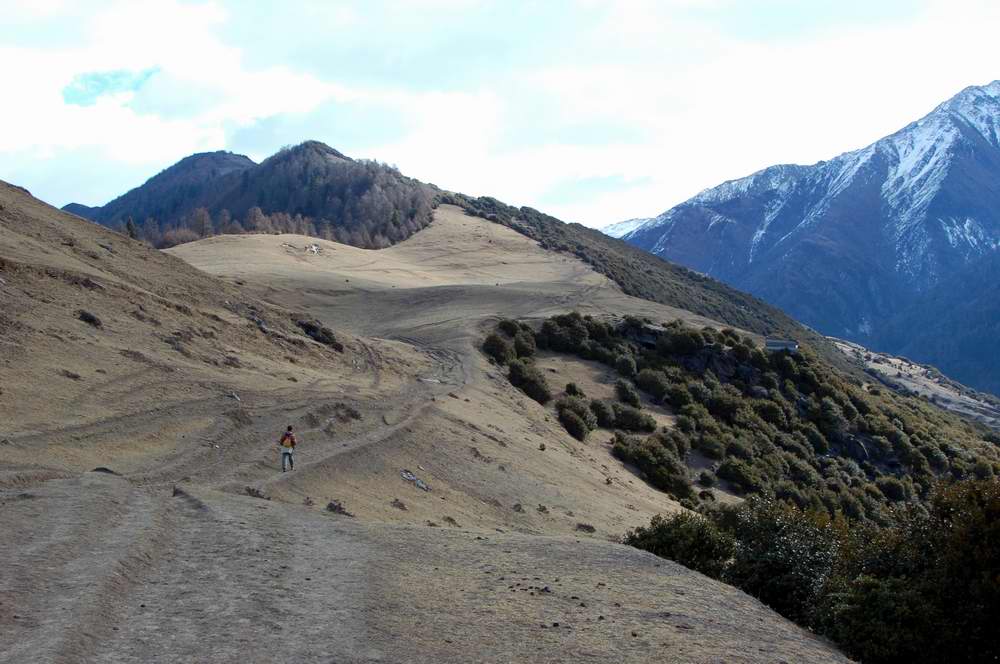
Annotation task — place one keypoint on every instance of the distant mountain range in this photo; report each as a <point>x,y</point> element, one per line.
<point>894,246</point>
<point>310,188</point>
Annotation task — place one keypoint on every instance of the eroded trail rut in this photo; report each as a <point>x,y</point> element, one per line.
<point>133,574</point>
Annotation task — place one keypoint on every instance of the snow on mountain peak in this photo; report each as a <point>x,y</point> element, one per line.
<point>623,228</point>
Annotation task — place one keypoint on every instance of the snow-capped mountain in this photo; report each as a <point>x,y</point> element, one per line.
<point>849,244</point>
<point>621,228</point>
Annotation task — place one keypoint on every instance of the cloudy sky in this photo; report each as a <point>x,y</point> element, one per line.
<point>593,110</point>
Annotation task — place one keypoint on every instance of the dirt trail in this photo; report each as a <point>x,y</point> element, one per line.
<point>134,575</point>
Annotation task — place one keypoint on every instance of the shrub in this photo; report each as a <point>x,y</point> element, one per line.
<point>527,378</point>
<point>783,557</point>
<point>499,349</point>
<point>509,327</point>
<point>678,396</point>
<point>739,449</point>
<point>710,446</point>
<point>689,539</point>
<point>578,407</point>
<point>659,465</point>
<point>741,475</point>
<point>675,440</point>
<point>604,413</point>
<point>627,393</point>
<point>654,383</point>
<point>892,488</point>
<point>625,365</point>
<point>574,391</point>
<point>632,419</point>
<point>573,424</point>
<point>524,344</point>
<point>705,478</point>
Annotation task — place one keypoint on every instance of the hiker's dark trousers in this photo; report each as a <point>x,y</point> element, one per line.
<point>287,463</point>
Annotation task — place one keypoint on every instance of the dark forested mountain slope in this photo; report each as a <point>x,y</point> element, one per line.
<point>310,188</point>
<point>852,245</point>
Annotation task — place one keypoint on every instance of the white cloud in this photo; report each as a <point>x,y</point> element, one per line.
<point>709,106</point>
<point>194,67</point>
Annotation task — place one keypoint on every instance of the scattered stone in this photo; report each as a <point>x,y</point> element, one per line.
<point>518,508</point>
<point>254,492</point>
<point>585,528</point>
<point>70,374</point>
<point>89,318</point>
<point>398,504</point>
<point>320,333</point>
<point>336,507</point>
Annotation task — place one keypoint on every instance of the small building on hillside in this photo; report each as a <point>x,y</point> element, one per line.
<point>776,345</point>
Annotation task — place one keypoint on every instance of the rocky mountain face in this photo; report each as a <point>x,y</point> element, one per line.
<point>310,189</point>
<point>858,246</point>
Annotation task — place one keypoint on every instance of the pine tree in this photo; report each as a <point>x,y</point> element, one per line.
<point>131,230</point>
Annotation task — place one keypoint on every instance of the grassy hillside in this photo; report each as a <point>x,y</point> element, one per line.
<point>786,425</point>
<point>644,275</point>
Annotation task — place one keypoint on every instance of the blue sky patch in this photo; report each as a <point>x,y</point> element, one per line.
<point>85,89</point>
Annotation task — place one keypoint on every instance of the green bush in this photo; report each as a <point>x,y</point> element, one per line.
<point>678,396</point>
<point>654,383</point>
<point>632,419</point>
<point>783,555</point>
<point>625,365</point>
<point>509,327</point>
<point>524,344</point>
<point>740,475</point>
<point>627,393</point>
<point>925,588</point>
<point>574,391</point>
<point>527,378</point>
<point>499,349</point>
<point>690,539</point>
<point>660,466</point>
<point>603,412</point>
<point>574,424</point>
<point>710,446</point>
<point>579,407</point>
<point>892,488</point>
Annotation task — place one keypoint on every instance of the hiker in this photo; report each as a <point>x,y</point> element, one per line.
<point>286,446</point>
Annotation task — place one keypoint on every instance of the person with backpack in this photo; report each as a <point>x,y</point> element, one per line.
<point>286,446</point>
